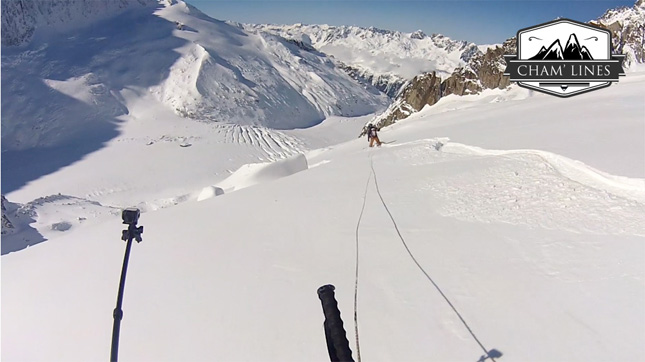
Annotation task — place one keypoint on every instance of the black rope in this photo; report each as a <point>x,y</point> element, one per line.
<point>421,268</point>
<point>358,224</point>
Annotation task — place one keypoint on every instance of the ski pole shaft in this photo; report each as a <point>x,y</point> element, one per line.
<point>118,312</point>
<point>337,343</point>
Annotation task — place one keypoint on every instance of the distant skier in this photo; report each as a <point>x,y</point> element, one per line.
<point>372,136</point>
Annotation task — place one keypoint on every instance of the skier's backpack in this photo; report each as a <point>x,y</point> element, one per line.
<point>371,131</point>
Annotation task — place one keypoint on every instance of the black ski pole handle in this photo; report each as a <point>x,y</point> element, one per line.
<point>337,343</point>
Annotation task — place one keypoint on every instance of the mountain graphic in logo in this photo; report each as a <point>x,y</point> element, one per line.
<point>572,51</point>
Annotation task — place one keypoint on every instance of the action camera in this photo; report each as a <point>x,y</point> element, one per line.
<point>130,216</point>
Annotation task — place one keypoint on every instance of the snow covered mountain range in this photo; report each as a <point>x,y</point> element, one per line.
<point>385,58</point>
<point>206,70</point>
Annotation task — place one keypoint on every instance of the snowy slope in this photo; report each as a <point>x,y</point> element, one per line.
<point>149,68</point>
<point>528,211</point>
<point>227,74</point>
<point>208,70</point>
<point>384,56</point>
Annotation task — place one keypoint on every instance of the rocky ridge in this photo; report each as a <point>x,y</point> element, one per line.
<point>7,226</point>
<point>627,26</point>
<point>483,71</point>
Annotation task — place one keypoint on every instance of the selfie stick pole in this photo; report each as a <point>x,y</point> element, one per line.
<point>133,232</point>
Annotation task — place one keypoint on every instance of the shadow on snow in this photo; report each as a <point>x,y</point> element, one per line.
<point>43,129</point>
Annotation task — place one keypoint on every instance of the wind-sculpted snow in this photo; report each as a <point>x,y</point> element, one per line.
<point>516,186</point>
<point>273,144</point>
<point>256,173</point>
<point>62,96</point>
<point>204,69</point>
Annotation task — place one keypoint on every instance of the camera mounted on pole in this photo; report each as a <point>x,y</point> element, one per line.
<point>130,217</point>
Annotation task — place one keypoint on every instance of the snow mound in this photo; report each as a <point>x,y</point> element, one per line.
<point>516,187</point>
<point>624,187</point>
<point>255,173</point>
<point>209,192</point>
<point>46,217</point>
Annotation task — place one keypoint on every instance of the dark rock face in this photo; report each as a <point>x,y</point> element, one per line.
<point>461,82</point>
<point>483,71</point>
<point>6,224</point>
<point>421,90</point>
<point>489,67</point>
<point>425,89</point>
<point>418,35</point>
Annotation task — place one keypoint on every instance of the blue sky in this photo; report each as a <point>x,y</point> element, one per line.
<point>479,21</point>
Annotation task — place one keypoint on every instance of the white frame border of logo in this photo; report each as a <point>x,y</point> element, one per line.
<point>582,66</point>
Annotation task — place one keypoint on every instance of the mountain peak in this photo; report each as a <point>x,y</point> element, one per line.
<point>419,34</point>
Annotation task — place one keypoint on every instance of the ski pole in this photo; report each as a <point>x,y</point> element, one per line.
<point>337,343</point>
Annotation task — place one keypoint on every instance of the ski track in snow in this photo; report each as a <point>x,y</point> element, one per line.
<point>516,187</point>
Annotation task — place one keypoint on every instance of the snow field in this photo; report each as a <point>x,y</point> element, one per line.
<point>232,279</point>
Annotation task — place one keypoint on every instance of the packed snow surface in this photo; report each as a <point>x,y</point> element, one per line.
<point>527,210</point>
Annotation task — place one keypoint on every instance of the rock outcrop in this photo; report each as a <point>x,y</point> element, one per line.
<point>421,90</point>
<point>627,27</point>
<point>483,71</point>
<point>7,226</point>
